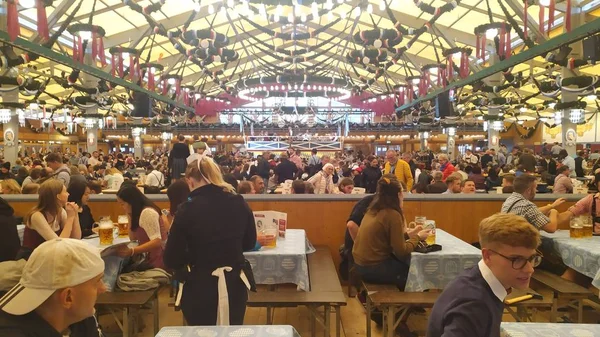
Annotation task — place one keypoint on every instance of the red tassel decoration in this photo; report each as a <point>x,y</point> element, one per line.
<point>12,19</point>
<point>449,67</point>
<point>551,15</point>
<point>113,64</point>
<point>78,51</point>
<point>483,43</point>
<point>568,16</point>
<point>525,18</point>
<point>121,71</point>
<point>464,65</point>
<point>507,46</point>
<point>150,79</point>
<point>100,51</point>
<point>477,46</point>
<point>131,67</point>
<point>177,88</point>
<point>42,20</point>
<point>94,46</point>
<point>164,88</point>
<point>501,39</point>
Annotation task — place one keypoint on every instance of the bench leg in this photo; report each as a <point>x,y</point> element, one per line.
<point>390,321</point>
<point>313,323</point>
<point>155,313</point>
<point>338,320</point>
<point>126,322</point>
<point>554,310</point>
<point>327,321</point>
<point>368,307</point>
<point>580,311</point>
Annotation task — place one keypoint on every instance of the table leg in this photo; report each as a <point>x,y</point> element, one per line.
<point>337,320</point>
<point>580,311</point>
<point>313,328</point>
<point>553,311</point>
<point>368,308</point>
<point>126,323</point>
<point>327,320</point>
<point>391,321</point>
<point>269,316</point>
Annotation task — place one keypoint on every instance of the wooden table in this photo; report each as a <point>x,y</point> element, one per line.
<point>130,303</point>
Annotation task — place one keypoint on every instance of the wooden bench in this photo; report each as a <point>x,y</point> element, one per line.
<point>325,291</point>
<point>563,289</point>
<point>391,301</point>
<point>522,313</point>
<point>130,303</point>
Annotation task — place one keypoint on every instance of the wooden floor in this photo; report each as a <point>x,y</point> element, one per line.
<point>353,319</point>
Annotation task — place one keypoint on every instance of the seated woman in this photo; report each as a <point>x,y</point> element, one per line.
<point>178,193</point>
<point>54,216</point>
<point>145,226</point>
<point>10,186</point>
<point>33,178</point>
<point>493,180</point>
<point>346,186</point>
<point>79,193</point>
<point>477,176</point>
<point>113,179</point>
<point>380,249</point>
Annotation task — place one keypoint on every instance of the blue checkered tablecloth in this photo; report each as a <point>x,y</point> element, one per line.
<point>549,330</point>
<point>229,331</point>
<point>436,269</point>
<point>285,263</point>
<point>583,255</point>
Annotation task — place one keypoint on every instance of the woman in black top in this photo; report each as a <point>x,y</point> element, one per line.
<point>371,175</point>
<point>79,193</point>
<point>9,236</point>
<point>177,158</point>
<point>210,232</point>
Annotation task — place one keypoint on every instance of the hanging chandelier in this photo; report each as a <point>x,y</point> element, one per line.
<point>576,116</point>
<point>5,115</point>
<point>259,92</point>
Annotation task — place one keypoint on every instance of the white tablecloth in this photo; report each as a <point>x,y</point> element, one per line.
<point>229,331</point>
<point>583,255</point>
<point>285,263</point>
<point>549,330</point>
<point>436,269</point>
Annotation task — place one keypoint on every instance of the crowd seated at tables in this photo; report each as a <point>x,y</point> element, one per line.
<point>377,242</point>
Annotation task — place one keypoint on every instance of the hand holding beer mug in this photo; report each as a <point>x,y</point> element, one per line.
<point>105,232</point>
<point>419,221</point>
<point>430,225</point>
<point>123,223</point>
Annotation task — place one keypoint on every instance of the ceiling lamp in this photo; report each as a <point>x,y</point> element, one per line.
<point>93,36</point>
<point>576,116</point>
<point>425,135</point>
<point>138,131</point>
<point>5,116</point>
<point>451,131</point>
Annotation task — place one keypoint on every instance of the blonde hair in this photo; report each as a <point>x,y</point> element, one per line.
<point>47,201</point>
<point>509,229</point>
<point>113,170</point>
<point>206,169</point>
<point>10,186</point>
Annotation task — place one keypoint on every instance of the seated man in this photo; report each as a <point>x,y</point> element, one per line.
<point>468,187</point>
<point>57,292</point>
<point>507,183</point>
<point>508,249</point>
<point>453,183</point>
<point>259,184</point>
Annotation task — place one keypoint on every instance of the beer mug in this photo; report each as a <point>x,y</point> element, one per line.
<point>105,232</point>
<point>588,226</point>
<point>419,220</point>
<point>575,228</point>
<point>123,224</point>
<point>430,224</point>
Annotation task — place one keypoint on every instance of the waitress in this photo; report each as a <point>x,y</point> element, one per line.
<point>209,234</point>
<point>589,205</point>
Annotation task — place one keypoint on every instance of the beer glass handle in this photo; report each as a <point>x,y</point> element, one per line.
<point>412,224</point>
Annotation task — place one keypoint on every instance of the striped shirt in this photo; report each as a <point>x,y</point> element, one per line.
<point>517,204</point>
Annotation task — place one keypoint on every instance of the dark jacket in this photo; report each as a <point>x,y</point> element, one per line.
<point>436,188</point>
<point>579,167</point>
<point>550,166</point>
<point>528,161</point>
<point>370,177</point>
<point>86,221</point>
<point>32,325</point>
<point>459,313</point>
<point>263,168</point>
<point>286,170</point>
<point>211,230</point>
<point>9,237</point>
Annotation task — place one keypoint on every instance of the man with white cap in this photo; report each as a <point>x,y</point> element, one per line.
<point>57,292</point>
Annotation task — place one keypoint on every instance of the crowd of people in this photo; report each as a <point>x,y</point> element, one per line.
<point>208,186</point>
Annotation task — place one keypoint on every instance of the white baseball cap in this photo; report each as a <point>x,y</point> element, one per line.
<point>55,264</point>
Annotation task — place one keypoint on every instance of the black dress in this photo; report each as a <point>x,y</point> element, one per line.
<point>177,160</point>
<point>86,221</point>
<point>371,176</point>
<point>9,236</point>
<point>211,230</point>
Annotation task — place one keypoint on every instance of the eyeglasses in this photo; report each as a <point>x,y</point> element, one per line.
<point>519,262</point>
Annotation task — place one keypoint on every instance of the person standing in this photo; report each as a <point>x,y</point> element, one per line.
<point>285,170</point>
<point>399,168</point>
<point>508,249</point>
<point>323,180</point>
<point>177,158</point>
<point>263,170</point>
<point>60,171</point>
<point>580,164</point>
<point>214,219</point>
<point>447,168</point>
<point>565,159</point>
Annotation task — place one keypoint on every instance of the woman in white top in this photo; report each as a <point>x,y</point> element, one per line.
<point>53,217</point>
<point>323,180</point>
<point>145,226</point>
<point>113,179</point>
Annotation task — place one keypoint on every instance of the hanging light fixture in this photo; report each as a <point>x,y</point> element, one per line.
<point>451,131</point>
<point>4,116</point>
<point>576,115</point>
